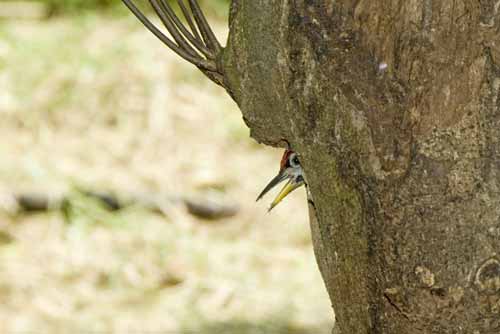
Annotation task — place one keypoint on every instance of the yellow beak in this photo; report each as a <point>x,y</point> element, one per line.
<point>290,186</point>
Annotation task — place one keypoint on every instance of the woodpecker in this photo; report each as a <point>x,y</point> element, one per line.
<point>291,170</point>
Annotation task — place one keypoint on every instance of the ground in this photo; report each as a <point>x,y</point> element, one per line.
<point>96,102</point>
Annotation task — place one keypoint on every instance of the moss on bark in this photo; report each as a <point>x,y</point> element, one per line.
<point>393,107</point>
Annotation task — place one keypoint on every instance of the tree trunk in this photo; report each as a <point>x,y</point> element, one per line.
<point>393,108</point>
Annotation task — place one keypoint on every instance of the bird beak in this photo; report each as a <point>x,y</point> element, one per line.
<point>274,182</point>
<point>290,186</point>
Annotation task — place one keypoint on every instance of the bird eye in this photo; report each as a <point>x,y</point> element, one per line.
<point>294,160</point>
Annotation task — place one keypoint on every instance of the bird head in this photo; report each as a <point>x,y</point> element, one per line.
<point>291,171</point>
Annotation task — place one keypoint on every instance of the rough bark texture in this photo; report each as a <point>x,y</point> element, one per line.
<point>393,107</point>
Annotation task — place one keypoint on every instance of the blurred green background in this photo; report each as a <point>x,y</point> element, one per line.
<point>72,6</point>
<point>90,100</point>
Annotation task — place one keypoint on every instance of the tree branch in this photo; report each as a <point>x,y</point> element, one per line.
<point>201,51</point>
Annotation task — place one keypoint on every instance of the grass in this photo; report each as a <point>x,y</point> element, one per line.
<point>96,101</point>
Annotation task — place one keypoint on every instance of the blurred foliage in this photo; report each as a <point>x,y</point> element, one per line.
<point>71,6</point>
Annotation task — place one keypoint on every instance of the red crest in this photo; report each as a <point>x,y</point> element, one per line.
<point>284,159</point>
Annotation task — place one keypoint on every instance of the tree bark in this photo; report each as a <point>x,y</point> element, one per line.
<point>393,108</point>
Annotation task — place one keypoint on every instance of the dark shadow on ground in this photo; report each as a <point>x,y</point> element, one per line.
<point>268,326</point>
